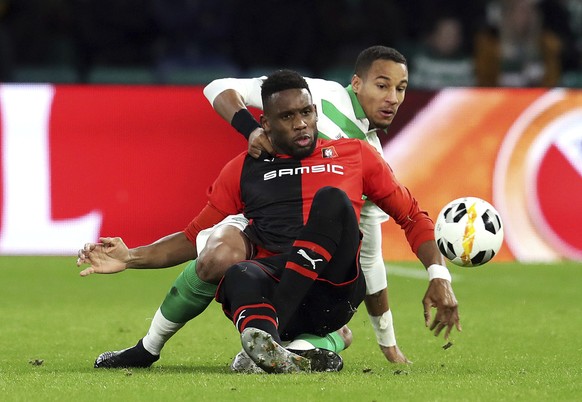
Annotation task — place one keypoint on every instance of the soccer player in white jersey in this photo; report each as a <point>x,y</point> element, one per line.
<point>361,110</point>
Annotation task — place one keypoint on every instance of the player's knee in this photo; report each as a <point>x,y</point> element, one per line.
<point>334,200</point>
<point>215,260</point>
<point>239,275</point>
<point>329,193</point>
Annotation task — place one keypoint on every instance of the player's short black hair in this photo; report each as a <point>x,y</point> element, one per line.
<point>371,54</point>
<point>281,80</point>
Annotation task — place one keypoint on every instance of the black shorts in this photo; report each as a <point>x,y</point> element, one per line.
<point>331,301</point>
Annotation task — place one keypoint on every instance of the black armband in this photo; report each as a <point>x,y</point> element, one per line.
<point>244,122</point>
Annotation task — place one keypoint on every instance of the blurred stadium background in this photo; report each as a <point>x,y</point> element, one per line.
<point>494,109</point>
<point>484,42</point>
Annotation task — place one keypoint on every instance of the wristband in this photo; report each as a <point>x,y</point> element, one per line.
<point>438,271</point>
<point>244,122</point>
<point>384,329</point>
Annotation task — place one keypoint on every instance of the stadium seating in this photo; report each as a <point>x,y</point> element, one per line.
<point>121,75</point>
<point>45,74</point>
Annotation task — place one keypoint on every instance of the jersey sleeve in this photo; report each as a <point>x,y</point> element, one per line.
<point>208,217</point>
<point>224,198</point>
<point>248,88</point>
<point>225,193</point>
<point>382,188</point>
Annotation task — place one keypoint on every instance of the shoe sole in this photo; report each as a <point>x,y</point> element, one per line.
<point>321,359</point>
<point>243,364</point>
<point>269,355</point>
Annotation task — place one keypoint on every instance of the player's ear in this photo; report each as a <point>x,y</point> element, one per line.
<point>264,123</point>
<point>316,114</point>
<point>356,83</point>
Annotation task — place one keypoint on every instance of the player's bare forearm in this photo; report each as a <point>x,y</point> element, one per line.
<point>227,103</point>
<point>166,252</point>
<point>110,255</point>
<point>377,303</point>
<point>429,254</point>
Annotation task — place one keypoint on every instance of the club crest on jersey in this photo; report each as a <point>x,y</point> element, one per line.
<point>328,152</point>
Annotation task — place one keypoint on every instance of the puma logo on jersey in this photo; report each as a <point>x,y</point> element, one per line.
<point>240,317</point>
<point>303,254</point>
<point>327,168</point>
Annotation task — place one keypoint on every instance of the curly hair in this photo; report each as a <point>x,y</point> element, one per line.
<point>281,80</point>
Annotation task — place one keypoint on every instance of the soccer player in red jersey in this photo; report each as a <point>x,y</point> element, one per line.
<point>304,206</point>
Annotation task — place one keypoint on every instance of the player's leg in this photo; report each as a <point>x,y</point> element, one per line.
<point>331,232</point>
<point>245,293</point>
<point>327,245</point>
<point>330,236</point>
<point>189,296</point>
<point>376,301</point>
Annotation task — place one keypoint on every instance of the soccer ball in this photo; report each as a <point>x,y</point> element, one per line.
<point>468,231</point>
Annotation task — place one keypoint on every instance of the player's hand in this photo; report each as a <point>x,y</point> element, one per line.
<point>259,142</point>
<point>108,256</point>
<point>394,355</point>
<point>441,296</point>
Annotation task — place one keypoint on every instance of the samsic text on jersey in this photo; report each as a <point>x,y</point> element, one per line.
<point>275,194</point>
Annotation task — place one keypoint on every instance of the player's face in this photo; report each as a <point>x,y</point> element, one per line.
<point>290,122</point>
<point>381,91</point>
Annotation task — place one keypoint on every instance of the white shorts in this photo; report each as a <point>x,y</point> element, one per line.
<point>371,259</point>
<point>238,221</point>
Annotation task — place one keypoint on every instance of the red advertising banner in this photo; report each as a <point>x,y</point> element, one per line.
<point>79,162</point>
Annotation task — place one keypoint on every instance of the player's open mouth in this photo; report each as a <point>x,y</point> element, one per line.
<point>387,113</point>
<point>303,140</point>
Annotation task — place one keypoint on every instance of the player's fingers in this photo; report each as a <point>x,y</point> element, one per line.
<point>448,331</point>
<point>254,152</point>
<point>87,271</point>
<point>268,147</point>
<point>439,328</point>
<point>107,240</point>
<point>427,317</point>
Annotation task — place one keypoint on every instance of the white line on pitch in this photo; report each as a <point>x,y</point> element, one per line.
<point>415,272</point>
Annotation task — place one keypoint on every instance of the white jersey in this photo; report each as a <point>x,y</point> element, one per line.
<point>339,112</point>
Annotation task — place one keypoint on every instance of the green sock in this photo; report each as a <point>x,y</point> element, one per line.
<point>188,297</point>
<point>333,341</point>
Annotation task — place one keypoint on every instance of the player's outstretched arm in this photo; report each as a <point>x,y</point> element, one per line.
<point>440,293</point>
<point>111,255</point>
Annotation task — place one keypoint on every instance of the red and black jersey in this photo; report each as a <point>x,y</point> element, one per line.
<point>275,194</point>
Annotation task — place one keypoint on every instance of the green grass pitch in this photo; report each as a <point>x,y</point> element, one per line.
<point>521,340</point>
